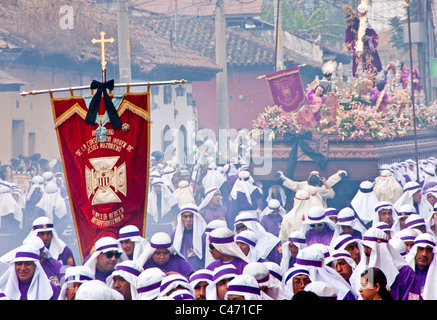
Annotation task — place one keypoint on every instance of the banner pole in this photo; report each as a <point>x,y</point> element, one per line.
<point>117,85</point>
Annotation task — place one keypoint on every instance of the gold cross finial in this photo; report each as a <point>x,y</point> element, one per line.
<point>102,41</point>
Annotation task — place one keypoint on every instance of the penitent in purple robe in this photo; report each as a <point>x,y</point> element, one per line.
<point>209,214</point>
<point>272,224</point>
<point>54,271</point>
<point>175,263</point>
<point>404,284</point>
<point>187,250</point>
<point>323,237</point>
<point>237,262</point>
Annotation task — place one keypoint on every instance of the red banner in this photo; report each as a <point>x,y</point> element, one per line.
<point>107,178</point>
<point>286,88</point>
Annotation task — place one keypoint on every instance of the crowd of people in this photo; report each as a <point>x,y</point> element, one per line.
<point>214,233</point>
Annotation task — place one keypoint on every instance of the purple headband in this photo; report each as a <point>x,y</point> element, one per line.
<point>81,278</point>
<point>342,242</point>
<point>431,243</point>
<point>265,279</point>
<point>229,239</point>
<point>408,238</point>
<point>298,240</point>
<point>366,190</point>
<point>295,273</point>
<point>245,240</point>
<point>374,239</point>
<point>115,246</point>
<point>312,263</point>
<point>133,271</point>
<point>417,187</point>
<point>352,218</point>
<point>317,218</point>
<point>383,206</point>
<point>212,190</point>
<point>160,246</point>
<point>27,255</point>
<point>245,289</point>
<point>165,285</point>
<point>332,212</point>
<point>416,222</point>
<point>276,275</point>
<point>42,226</point>
<point>246,219</point>
<point>129,234</point>
<point>341,255</point>
<point>149,288</point>
<point>189,209</point>
<point>201,276</point>
<point>227,271</point>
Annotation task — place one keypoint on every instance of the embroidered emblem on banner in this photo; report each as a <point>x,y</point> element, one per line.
<point>105,180</point>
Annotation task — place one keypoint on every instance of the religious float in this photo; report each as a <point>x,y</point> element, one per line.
<point>352,134</point>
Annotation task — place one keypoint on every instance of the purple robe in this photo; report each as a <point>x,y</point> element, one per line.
<point>54,271</point>
<point>370,57</point>
<point>241,204</point>
<point>65,254</point>
<point>209,214</point>
<point>187,250</point>
<point>419,283</point>
<point>102,275</point>
<point>403,284</point>
<point>24,288</point>
<point>272,224</point>
<point>237,262</point>
<point>175,263</point>
<point>323,237</point>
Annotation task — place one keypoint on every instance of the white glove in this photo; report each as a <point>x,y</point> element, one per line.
<point>342,173</point>
<point>280,175</point>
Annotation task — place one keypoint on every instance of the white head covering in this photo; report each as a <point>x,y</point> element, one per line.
<point>213,177</point>
<point>364,201</point>
<point>167,176</point>
<point>346,217</point>
<point>251,239</point>
<point>172,281</point>
<point>52,202</point>
<point>103,245</point>
<point>167,200</point>
<point>244,285</point>
<point>199,226</point>
<point>97,290</point>
<point>75,274</point>
<point>341,254</point>
<point>181,294</point>
<point>129,270</point>
<point>316,215</point>
<point>159,240</point>
<point>132,233</point>
<point>266,240</point>
<point>384,205</point>
<point>209,193</point>
<point>40,287</point>
<point>414,220</point>
<point>281,193</point>
<point>298,239</point>
<point>218,223</point>
<point>322,289</point>
<point>387,188</point>
<point>399,245</point>
<point>244,185</point>
<point>149,283</point>
<point>35,182</point>
<point>272,206</point>
<point>293,219</point>
<point>293,272</point>
<point>8,205</point>
<point>410,188</point>
<point>422,241</point>
<point>226,271</point>
<point>312,259</point>
<point>223,241</point>
<point>383,255</point>
<point>201,275</point>
<point>44,224</point>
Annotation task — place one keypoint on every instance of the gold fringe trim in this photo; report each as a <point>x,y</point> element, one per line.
<point>75,109</point>
<point>126,105</point>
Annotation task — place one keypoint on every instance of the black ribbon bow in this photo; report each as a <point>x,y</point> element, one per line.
<point>300,140</point>
<point>95,104</point>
